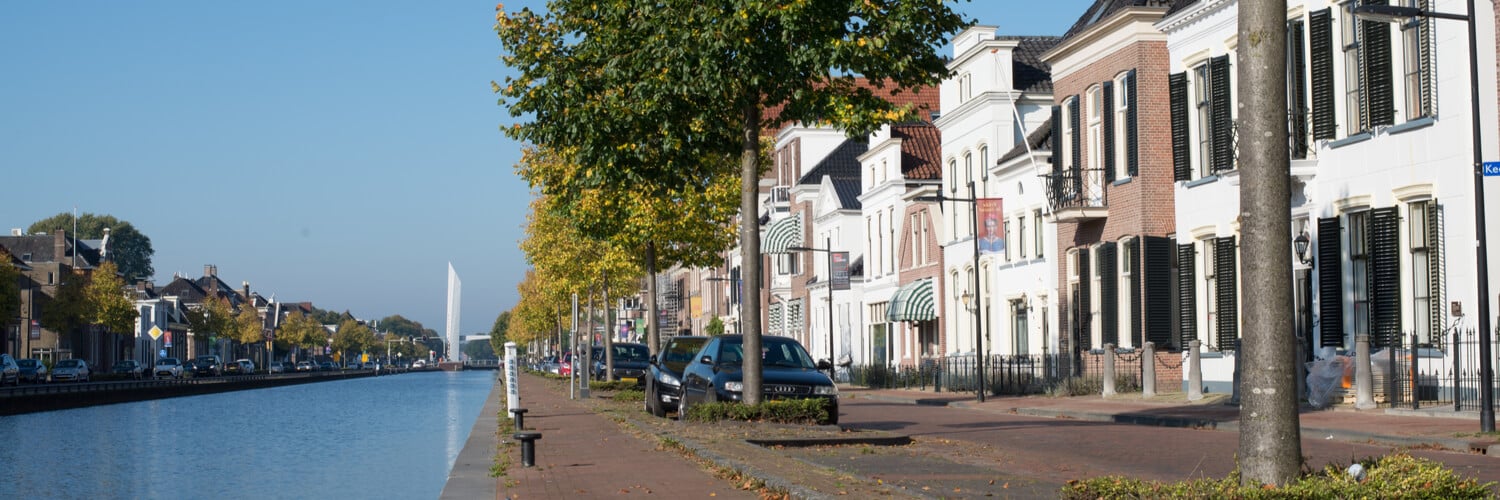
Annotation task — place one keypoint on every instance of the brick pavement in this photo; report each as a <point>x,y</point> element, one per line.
<point>586,455</point>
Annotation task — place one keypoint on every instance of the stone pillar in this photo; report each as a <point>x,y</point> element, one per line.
<point>1109,370</point>
<point>1195,371</point>
<point>1364,378</point>
<point>1148,371</point>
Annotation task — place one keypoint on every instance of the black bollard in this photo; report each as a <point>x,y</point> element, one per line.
<point>528,447</point>
<point>520,414</point>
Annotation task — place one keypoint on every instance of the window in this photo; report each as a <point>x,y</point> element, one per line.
<point>1210,294</point>
<point>1096,328</point>
<point>878,263</point>
<point>1359,263</point>
<point>1205,122</point>
<point>1416,47</point>
<point>1354,98</point>
<point>916,241</point>
<point>890,254</point>
<point>1020,235</point>
<point>1123,91</point>
<point>1068,162</point>
<point>1296,94</point>
<point>1206,138</point>
<point>1037,230</point>
<point>1425,237</point>
<point>870,246</point>
<point>1018,327</point>
<point>968,177</point>
<point>1008,239</point>
<point>984,163</point>
<point>965,87</point>
<point>1128,260</point>
<point>1095,129</point>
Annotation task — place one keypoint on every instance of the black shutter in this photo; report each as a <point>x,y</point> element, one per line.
<point>1109,294</point>
<point>1320,39</point>
<point>1055,184</point>
<point>1132,143</point>
<point>1424,41</point>
<point>1134,250</point>
<point>1385,277</point>
<point>1375,42</point>
<point>1182,166</point>
<point>1225,284</point>
<point>1187,294</point>
<point>1085,323</point>
<point>1435,285</point>
<point>1108,136</point>
<point>1220,114</point>
<point>1296,92</point>
<point>1077,147</point>
<point>1330,283</point>
<point>1156,307</point>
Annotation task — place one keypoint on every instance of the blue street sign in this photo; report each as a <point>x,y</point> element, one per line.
<point>1491,168</point>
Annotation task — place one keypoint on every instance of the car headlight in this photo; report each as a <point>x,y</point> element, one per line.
<point>826,390</point>
<point>734,386</point>
<point>668,379</point>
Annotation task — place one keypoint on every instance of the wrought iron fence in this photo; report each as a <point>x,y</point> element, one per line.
<point>1431,376</point>
<point>1006,374</point>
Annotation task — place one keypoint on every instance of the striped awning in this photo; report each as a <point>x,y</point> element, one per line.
<point>783,235</point>
<point>913,302</point>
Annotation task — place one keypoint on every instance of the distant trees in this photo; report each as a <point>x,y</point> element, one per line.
<point>10,289</point>
<point>213,317</point>
<point>300,330</point>
<point>128,248</point>
<point>497,333</point>
<point>352,337</point>
<point>399,325</point>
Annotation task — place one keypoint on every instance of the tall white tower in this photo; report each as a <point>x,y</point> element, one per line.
<point>454,291</point>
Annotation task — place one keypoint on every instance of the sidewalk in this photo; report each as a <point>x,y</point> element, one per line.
<point>1399,427</point>
<point>583,454</point>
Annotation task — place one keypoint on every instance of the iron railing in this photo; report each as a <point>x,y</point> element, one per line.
<point>1075,188</point>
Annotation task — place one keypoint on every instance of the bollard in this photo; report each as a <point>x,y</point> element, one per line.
<point>1195,371</point>
<point>1364,378</point>
<point>520,414</point>
<point>528,447</point>
<point>1109,370</point>
<point>1148,371</point>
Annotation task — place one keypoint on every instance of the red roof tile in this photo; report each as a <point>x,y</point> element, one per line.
<point>921,150</point>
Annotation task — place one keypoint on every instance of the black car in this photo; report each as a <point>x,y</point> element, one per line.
<point>129,368</point>
<point>664,377</point>
<point>10,371</point>
<point>208,365</point>
<point>787,372</point>
<point>629,360</point>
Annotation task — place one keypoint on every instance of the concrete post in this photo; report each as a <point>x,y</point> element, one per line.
<point>1364,377</point>
<point>512,372</point>
<point>1109,370</point>
<point>1148,371</point>
<point>1195,371</point>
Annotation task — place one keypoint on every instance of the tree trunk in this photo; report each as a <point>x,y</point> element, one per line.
<point>652,340</point>
<point>1270,439</point>
<point>609,334</point>
<point>750,250</point>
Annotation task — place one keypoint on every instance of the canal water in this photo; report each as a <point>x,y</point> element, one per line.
<point>375,437</point>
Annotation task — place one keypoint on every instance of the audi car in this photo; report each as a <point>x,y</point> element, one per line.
<point>787,372</point>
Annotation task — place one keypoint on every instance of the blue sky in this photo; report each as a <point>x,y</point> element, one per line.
<point>336,152</point>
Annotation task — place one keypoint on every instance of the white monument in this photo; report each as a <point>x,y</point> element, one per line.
<point>454,290</point>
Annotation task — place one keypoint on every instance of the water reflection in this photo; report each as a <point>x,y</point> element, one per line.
<point>379,437</point>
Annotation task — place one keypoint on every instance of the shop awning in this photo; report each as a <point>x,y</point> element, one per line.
<point>783,235</point>
<point>913,302</point>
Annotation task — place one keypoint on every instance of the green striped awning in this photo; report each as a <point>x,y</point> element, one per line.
<point>783,235</point>
<point>913,302</point>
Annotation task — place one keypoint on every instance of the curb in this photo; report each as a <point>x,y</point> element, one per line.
<point>745,469</point>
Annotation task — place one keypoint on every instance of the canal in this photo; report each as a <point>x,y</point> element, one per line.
<point>375,437</point>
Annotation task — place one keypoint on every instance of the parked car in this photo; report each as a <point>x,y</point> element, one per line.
<point>327,366</point>
<point>664,374</point>
<point>787,372</point>
<point>421,363</point>
<point>279,367</point>
<point>565,366</point>
<point>10,371</point>
<point>304,366</point>
<point>630,361</point>
<point>167,367</point>
<point>240,367</point>
<point>32,370</point>
<point>70,369</point>
<point>208,365</point>
<point>128,367</point>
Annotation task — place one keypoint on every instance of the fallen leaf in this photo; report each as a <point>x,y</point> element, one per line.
<point>992,481</point>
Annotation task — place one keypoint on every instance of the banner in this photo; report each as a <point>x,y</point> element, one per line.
<point>840,271</point>
<point>991,221</point>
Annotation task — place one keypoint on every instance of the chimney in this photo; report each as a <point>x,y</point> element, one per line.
<point>245,289</point>
<point>59,245</point>
<point>210,270</point>
<point>16,231</point>
<point>140,285</point>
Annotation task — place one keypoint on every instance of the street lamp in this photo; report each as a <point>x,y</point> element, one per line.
<point>978,323</point>
<point>1394,14</point>
<point>827,248</point>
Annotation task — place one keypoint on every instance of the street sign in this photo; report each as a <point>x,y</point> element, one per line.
<point>1491,168</point>
<point>155,333</point>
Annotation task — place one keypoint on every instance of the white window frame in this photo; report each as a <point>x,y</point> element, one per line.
<point>1121,139</point>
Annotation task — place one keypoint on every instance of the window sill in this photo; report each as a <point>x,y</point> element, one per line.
<point>1356,138</point>
<point>1122,181</point>
<point>1422,122</point>
<point>1201,181</point>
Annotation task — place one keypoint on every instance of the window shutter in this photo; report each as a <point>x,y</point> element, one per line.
<point>1077,148</point>
<point>1385,277</point>
<point>1435,285</point>
<point>1132,144</point>
<point>1107,138</point>
<point>1109,294</point>
<point>1156,306</point>
<point>1320,40</point>
<point>1330,283</point>
<point>1228,299</point>
<point>1375,45</point>
<point>1187,294</point>
<point>1083,326</point>
<point>1296,92</point>
<point>1424,40</point>
<point>1182,168</point>
<point>1136,319</point>
<point>1223,121</point>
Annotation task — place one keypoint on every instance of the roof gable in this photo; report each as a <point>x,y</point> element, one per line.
<point>921,150</point>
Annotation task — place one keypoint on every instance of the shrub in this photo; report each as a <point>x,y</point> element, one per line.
<point>787,411</point>
<point>630,395</point>
<point>1394,476</point>
<point>615,385</point>
<point>1093,385</point>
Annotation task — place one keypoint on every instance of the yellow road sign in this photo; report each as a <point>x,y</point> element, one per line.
<point>155,332</point>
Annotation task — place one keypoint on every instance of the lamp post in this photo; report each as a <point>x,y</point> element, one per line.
<point>978,323</point>
<point>1394,14</point>
<point>827,248</point>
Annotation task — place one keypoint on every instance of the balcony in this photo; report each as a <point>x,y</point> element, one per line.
<point>781,198</point>
<point>1076,195</point>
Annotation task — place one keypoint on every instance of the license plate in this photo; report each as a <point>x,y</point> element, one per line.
<point>628,379</point>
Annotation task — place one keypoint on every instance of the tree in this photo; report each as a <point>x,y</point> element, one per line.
<point>248,328</point>
<point>398,325</point>
<point>68,308</point>
<point>212,318</point>
<point>497,332</point>
<point>643,93</point>
<point>479,350</point>
<point>353,336</point>
<point>10,289</point>
<point>714,328</point>
<point>1270,448</point>
<point>127,247</point>
<point>303,331</point>
<point>107,304</point>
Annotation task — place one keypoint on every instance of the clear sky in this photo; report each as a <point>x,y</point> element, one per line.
<point>329,151</point>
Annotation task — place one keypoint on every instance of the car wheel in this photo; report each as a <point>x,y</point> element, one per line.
<point>653,401</point>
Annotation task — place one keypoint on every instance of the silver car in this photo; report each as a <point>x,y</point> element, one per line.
<point>167,367</point>
<point>70,369</point>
